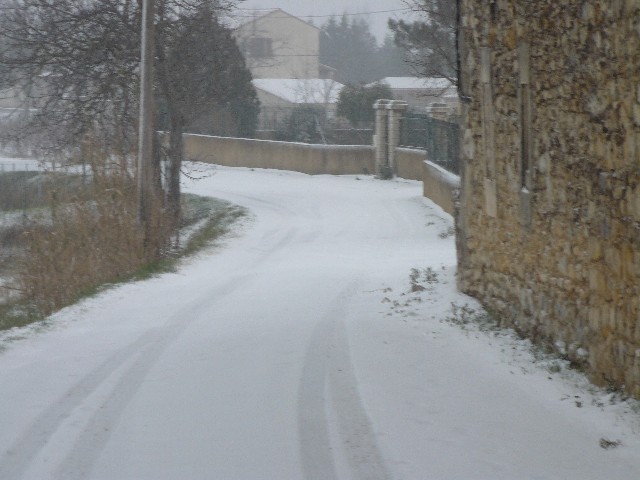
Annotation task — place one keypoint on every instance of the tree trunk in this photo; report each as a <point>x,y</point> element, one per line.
<point>175,165</point>
<point>157,162</point>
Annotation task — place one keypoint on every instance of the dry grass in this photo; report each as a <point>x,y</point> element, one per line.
<point>91,237</point>
<point>24,200</point>
<point>88,243</point>
<point>83,233</point>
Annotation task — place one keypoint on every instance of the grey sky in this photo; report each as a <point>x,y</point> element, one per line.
<point>300,8</point>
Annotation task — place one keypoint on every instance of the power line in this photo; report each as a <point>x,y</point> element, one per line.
<point>233,15</point>
<point>294,55</point>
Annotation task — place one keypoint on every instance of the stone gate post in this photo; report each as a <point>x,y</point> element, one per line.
<point>381,136</point>
<point>396,109</point>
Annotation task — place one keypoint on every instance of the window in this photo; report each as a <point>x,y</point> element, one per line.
<point>260,47</point>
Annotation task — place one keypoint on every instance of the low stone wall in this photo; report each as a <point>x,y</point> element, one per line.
<point>409,163</point>
<point>440,186</point>
<point>297,157</point>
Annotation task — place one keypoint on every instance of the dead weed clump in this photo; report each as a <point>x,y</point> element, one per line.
<point>93,237</point>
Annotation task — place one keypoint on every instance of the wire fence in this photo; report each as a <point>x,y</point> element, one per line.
<point>32,196</point>
<point>17,192</point>
<point>24,193</point>
<point>440,138</point>
<point>26,186</point>
<point>18,195</point>
<point>14,189</point>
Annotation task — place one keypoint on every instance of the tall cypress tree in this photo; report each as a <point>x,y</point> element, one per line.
<point>350,48</point>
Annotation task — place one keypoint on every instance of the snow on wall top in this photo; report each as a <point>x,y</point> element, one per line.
<point>301,90</point>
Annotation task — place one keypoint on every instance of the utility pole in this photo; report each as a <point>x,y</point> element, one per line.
<point>145,132</point>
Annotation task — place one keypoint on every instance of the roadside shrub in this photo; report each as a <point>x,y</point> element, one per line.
<point>304,125</point>
<point>355,102</point>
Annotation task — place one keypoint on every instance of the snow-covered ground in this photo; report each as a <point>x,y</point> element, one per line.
<point>298,350</point>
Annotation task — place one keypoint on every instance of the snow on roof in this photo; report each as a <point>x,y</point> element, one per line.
<point>405,83</point>
<point>301,90</point>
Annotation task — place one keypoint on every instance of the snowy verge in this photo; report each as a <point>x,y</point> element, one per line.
<point>479,393</point>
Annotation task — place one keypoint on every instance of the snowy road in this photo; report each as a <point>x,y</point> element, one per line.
<point>295,351</point>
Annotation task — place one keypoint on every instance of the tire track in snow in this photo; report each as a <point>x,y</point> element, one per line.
<point>315,445</point>
<point>284,215</point>
<point>328,381</point>
<point>148,348</point>
<point>141,355</point>
<point>355,428</point>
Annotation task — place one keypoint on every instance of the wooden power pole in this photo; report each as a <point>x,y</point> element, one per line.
<point>145,132</point>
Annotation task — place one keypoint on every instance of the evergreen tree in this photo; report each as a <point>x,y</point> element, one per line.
<point>391,60</point>
<point>203,72</point>
<point>355,102</point>
<point>350,48</point>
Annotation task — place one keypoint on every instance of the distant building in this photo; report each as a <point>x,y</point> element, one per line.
<point>279,45</point>
<point>279,96</point>
<point>436,96</point>
<point>282,52</point>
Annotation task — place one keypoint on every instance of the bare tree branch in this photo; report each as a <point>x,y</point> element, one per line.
<point>431,41</point>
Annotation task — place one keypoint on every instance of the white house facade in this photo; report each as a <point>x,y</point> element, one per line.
<point>279,45</point>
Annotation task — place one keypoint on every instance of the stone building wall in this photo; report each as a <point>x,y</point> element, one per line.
<point>549,219</point>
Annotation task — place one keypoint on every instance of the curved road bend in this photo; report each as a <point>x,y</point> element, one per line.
<point>238,366</point>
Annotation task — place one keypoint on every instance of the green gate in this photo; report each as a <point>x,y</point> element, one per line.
<point>440,138</point>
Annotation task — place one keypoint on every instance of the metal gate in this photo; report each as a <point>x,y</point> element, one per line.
<point>440,138</point>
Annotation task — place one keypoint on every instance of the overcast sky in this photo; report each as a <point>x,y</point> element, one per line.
<point>318,8</point>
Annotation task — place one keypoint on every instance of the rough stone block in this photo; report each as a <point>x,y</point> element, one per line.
<point>613,260</point>
<point>490,198</point>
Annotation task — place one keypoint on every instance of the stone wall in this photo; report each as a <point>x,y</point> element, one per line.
<point>549,222</point>
<point>297,157</point>
<point>440,186</point>
<point>408,163</point>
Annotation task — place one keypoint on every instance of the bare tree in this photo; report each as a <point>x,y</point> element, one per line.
<point>430,41</point>
<point>77,62</point>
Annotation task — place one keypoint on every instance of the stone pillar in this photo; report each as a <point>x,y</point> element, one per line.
<point>381,136</point>
<point>396,110</point>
